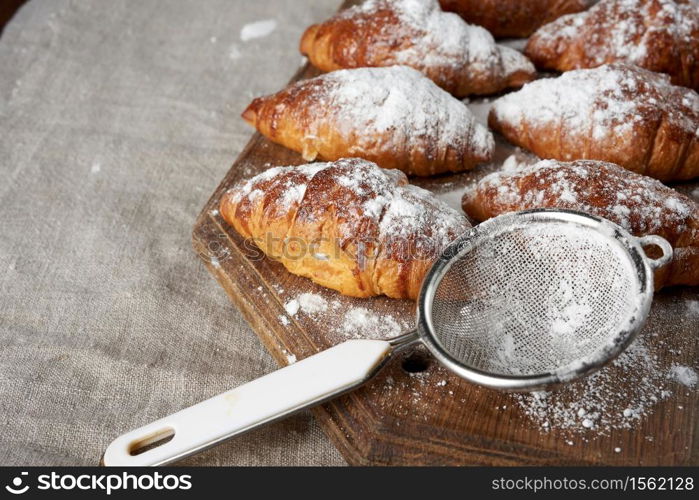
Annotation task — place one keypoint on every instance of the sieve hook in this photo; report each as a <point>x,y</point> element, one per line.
<point>660,242</point>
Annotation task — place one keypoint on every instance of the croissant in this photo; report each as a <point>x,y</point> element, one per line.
<point>392,116</point>
<point>659,35</point>
<point>461,58</point>
<point>638,203</point>
<point>513,18</point>
<point>347,225</point>
<point>617,113</point>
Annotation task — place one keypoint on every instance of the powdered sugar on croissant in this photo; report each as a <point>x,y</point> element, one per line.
<point>660,35</point>
<point>348,225</point>
<point>638,203</point>
<point>618,113</point>
<point>392,116</point>
<point>461,58</point>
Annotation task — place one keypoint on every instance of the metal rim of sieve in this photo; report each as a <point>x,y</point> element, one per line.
<point>642,264</point>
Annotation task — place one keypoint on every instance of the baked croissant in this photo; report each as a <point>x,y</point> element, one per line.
<point>618,113</point>
<point>659,35</point>
<point>348,225</point>
<point>392,116</point>
<point>461,58</point>
<point>638,203</point>
<point>513,18</point>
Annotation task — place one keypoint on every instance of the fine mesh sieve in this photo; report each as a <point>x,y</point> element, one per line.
<point>520,302</point>
<point>537,297</point>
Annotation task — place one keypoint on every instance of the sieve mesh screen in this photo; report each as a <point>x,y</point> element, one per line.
<point>534,298</point>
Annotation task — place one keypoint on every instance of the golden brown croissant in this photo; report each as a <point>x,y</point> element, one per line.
<point>392,116</point>
<point>461,58</point>
<point>618,113</point>
<point>348,225</point>
<point>659,35</point>
<point>513,18</point>
<point>639,204</point>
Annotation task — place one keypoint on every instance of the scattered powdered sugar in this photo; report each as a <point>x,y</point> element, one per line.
<point>399,103</point>
<point>311,303</point>
<point>290,358</point>
<point>307,303</point>
<point>615,397</point>
<point>344,320</point>
<point>693,307</point>
<point>607,102</point>
<point>257,29</point>
<point>292,307</point>
<point>623,394</point>
<point>438,38</point>
<point>620,396</point>
<point>360,322</point>
<point>684,375</point>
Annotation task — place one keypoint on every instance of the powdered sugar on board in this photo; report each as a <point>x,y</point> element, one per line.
<point>684,375</point>
<point>623,395</point>
<point>598,402</point>
<point>361,322</point>
<point>345,320</point>
<point>307,303</point>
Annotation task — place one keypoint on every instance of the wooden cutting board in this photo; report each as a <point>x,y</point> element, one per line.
<point>641,411</point>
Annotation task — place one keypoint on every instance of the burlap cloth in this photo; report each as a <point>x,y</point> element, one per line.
<point>117,121</point>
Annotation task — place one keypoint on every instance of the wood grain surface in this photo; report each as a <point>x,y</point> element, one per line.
<point>416,412</point>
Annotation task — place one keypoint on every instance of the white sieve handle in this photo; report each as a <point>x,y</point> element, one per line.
<point>295,387</point>
<point>660,242</point>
